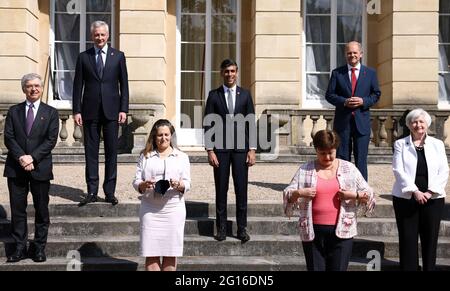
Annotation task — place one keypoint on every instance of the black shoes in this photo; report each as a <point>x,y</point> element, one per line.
<point>18,255</point>
<point>243,236</point>
<point>39,256</point>
<point>90,198</point>
<point>221,234</point>
<point>113,200</point>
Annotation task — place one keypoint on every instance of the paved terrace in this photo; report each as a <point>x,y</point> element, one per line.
<point>266,182</point>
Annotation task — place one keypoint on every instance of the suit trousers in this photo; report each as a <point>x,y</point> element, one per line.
<point>18,192</point>
<point>238,163</point>
<point>414,220</point>
<point>327,252</point>
<point>351,139</point>
<point>92,129</point>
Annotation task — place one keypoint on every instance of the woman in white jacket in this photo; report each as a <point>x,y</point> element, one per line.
<point>421,171</point>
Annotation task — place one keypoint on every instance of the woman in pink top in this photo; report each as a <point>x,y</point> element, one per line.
<point>325,194</point>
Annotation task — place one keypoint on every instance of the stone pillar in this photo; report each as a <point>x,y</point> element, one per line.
<point>143,39</point>
<point>275,43</point>
<point>413,77</point>
<point>19,46</point>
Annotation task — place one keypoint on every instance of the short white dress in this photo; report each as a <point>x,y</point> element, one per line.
<point>162,218</point>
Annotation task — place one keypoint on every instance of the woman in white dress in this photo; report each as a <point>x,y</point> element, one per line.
<point>163,177</point>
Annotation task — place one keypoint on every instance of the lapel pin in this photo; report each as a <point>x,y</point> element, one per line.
<point>42,118</point>
<point>112,54</point>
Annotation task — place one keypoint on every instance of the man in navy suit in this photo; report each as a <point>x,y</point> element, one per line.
<point>100,102</point>
<point>31,132</point>
<point>353,89</point>
<point>231,109</point>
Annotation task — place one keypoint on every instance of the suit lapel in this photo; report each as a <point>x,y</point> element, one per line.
<point>109,56</point>
<point>361,78</point>
<point>91,53</point>
<point>348,84</point>
<point>23,117</point>
<point>237,104</point>
<point>222,98</point>
<point>40,116</point>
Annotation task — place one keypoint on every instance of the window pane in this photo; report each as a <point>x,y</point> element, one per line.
<point>64,83</point>
<point>341,58</point>
<point>444,6</point>
<point>94,17</point>
<point>61,6</point>
<point>318,58</point>
<point>98,6</point>
<point>192,86</point>
<point>66,55</point>
<point>224,28</point>
<point>318,29</point>
<point>67,27</point>
<point>318,7</point>
<point>216,80</point>
<point>192,57</point>
<point>193,6</point>
<point>224,6</point>
<point>444,57</point>
<point>349,28</point>
<point>221,52</point>
<point>193,28</point>
<point>444,28</point>
<point>316,86</point>
<point>444,87</point>
<point>350,6</point>
<point>188,108</point>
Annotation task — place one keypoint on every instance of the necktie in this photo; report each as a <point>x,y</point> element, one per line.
<point>30,118</point>
<point>230,102</point>
<point>99,63</point>
<point>354,80</point>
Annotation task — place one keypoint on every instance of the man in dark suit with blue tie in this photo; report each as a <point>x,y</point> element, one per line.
<point>230,115</point>
<point>100,103</point>
<point>353,89</point>
<point>31,132</point>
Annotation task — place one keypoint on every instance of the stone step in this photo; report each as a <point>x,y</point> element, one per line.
<point>118,226</point>
<point>194,209</point>
<point>187,263</point>
<point>196,245</point>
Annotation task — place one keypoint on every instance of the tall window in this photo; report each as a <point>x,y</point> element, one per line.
<point>209,34</point>
<point>329,25</point>
<point>444,52</point>
<point>70,35</point>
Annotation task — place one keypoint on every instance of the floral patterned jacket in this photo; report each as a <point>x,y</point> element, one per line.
<point>349,178</point>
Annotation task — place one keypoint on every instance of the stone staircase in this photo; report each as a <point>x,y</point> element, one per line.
<point>107,238</point>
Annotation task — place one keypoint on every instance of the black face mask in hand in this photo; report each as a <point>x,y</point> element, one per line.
<point>162,186</point>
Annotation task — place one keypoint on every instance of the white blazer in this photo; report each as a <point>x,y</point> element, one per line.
<point>404,165</point>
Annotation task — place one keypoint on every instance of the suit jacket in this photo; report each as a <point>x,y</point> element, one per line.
<point>340,88</point>
<point>111,91</point>
<point>38,144</point>
<point>240,134</point>
<point>404,165</point>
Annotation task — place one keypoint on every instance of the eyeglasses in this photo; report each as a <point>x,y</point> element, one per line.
<point>32,86</point>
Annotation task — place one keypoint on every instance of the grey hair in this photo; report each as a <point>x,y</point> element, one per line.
<point>28,77</point>
<point>99,23</point>
<point>416,113</point>
<point>354,42</point>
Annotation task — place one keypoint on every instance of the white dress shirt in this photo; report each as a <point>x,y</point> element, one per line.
<point>233,95</point>
<point>104,51</point>
<point>35,108</point>
<point>358,69</point>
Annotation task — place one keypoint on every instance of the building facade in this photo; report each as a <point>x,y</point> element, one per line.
<point>286,50</point>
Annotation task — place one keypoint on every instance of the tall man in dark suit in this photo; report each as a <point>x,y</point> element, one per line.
<point>100,102</point>
<point>31,132</point>
<point>231,110</point>
<point>353,89</point>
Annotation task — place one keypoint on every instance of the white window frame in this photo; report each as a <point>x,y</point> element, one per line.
<point>67,104</point>
<point>442,104</point>
<point>194,136</point>
<point>316,104</point>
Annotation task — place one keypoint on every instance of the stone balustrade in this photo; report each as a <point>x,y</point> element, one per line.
<point>132,135</point>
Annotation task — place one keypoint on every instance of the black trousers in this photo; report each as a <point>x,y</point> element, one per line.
<point>238,163</point>
<point>414,221</point>
<point>18,192</point>
<point>327,252</point>
<point>92,129</point>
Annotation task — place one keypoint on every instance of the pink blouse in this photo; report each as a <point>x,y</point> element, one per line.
<point>325,205</point>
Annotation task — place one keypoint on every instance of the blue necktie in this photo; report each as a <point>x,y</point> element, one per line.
<point>99,63</point>
<point>30,118</point>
